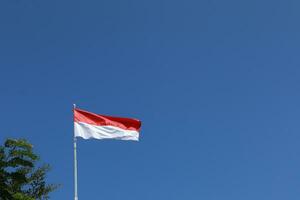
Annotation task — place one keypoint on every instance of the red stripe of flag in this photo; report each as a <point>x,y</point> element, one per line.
<point>102,120</point>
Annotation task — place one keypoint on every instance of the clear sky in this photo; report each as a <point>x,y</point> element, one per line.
<point>216,84</point>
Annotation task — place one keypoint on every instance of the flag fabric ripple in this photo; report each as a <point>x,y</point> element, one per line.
<point>90,125</point>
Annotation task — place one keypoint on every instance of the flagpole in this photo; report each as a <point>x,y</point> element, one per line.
<point>75,164</point>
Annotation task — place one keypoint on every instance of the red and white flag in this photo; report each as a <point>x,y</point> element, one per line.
<point>89,125</point>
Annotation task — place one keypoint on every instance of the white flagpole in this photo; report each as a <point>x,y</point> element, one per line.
<point>75,164</point>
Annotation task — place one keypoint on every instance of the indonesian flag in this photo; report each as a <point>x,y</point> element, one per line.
<point>89,125</point>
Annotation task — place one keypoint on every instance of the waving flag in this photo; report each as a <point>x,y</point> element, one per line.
<point>89,125</point>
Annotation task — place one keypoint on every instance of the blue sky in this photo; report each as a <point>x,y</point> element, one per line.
<point>216,84</point>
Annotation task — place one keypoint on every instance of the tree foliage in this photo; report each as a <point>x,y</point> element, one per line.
<point>20,177</point>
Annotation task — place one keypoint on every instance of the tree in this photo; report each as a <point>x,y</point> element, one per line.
<point>20,177</point>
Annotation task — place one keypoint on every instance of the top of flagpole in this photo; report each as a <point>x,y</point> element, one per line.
<point>74,107</point>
